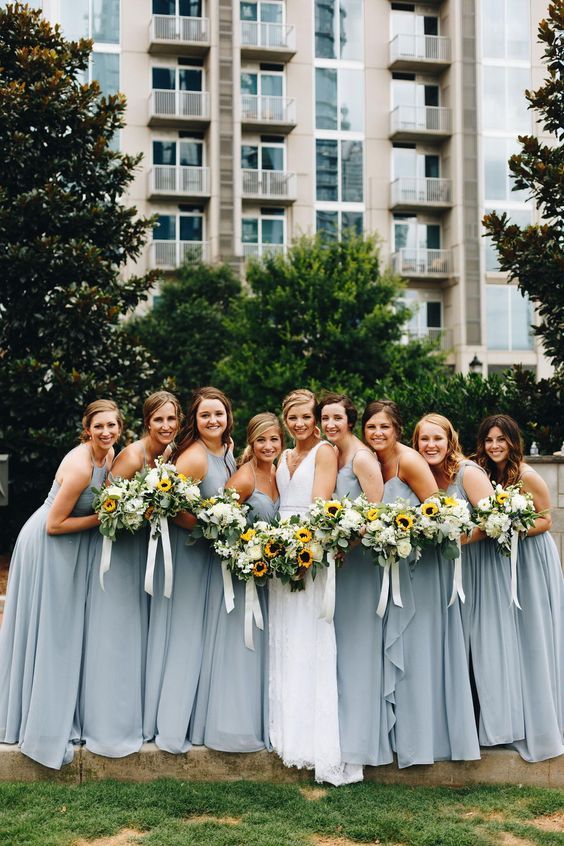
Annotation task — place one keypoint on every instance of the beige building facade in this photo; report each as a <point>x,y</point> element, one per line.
<point>261,120</point>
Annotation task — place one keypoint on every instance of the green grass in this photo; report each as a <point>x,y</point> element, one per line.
<point>174,813</point>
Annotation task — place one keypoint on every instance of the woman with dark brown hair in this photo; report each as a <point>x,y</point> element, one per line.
<point>540,620</point>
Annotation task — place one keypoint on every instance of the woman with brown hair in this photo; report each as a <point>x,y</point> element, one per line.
<point>115,633</point>
<point>540,620</point>
<point>42,631</point>
<point>176,698</point>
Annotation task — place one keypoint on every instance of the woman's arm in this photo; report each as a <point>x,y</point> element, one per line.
<point>76,472</point>
<point>242,481</point>
<point>477,486</point>
<point>193,462</point>
<point>366,468</point>
<point>325,477</point>
<point>416,473</point>
<point>537,487</point>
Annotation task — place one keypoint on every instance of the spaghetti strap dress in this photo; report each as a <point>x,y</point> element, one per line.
<point>363,726</point>
<point>490,634</point>
<point>42,634</point>
<point>427,680</point>
<point>540,633</point>
<point>231,709</point>
<point>177,626</point>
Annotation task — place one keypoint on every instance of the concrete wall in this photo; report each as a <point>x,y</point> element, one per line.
<point>551,468</point>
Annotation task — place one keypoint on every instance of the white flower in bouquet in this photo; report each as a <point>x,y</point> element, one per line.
<point>507,511</point>
<point>443,519</point>
<point>390,530</point>
<point>119,506</point>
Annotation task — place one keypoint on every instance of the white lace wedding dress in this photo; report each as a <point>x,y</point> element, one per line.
<point>304,716</point>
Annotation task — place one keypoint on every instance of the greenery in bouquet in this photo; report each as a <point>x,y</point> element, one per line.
<point>220,518</point>
<point>442,520</point>
<point>390,530</point>
<point>166,492</point>
<point>336,523</point>
<point>119,506</point>
<point>246,558</point>
<point>291,551</point>
<point>506,511</point>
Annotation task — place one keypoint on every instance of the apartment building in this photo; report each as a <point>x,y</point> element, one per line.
<point>260,120</point>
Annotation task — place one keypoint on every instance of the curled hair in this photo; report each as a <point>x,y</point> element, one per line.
<point>189,433</point>
<point>510,430</point>
<point>331,398</point>
<point>257,426</point>
<point>388,407</point>
<point>156,401</point>
<point>97,407</point>
<point>454,455</point>
<point>302,396</point>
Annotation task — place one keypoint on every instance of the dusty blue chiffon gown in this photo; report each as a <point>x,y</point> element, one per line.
<point>363,725</point>
<point>426,674</point>
<point>42,633</point>
<point>491,634</point>
<point>231,710</point>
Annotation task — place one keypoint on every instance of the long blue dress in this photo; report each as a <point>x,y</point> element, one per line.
<point>363,725</point>
<point>231,710</point>
<point>540,632</point>
<point>491,634</point>
<point>42,633</point>
<point>175,644</point>
<point>427,680</point>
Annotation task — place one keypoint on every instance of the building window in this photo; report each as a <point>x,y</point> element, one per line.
<point>522,217</point>
<point>408,23</point>
<point>186,153</point>
<point>336,224</point>
<point>178,8</point>
<point>339,170</point>
<point>504,104</point>
<point>96,19</point>
<point>181,227</point>
<point>339,29</point>
<point>177,79</point>
<point>104,67</point>
<point>263,12</point>
<point>426,320</point>
<point>262,84</point>
<point>408,162</point>
<point>411,234</point>
<point>498,180</point>
<point>339,99</point>
<point>264,234</point>
<point>506,29</point>
<point>262,157</point>
<point>509,317</point>
<point>407,92</point>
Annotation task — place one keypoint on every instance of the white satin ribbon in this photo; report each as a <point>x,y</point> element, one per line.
<point>457,588</point>
<point>150,566</point>
<point>396,595</point>
<point>514,548</point>
<point>228,592</point>
<point>385,591</point>
<point>252,612</point>
<point>152,557</point>
<point>328,605</point>
<point>105,559</point>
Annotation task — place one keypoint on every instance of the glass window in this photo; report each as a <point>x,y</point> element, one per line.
<point>248,11</point>
<point>521,319</point>
<point>351,29</point>
<point>189,79</point>
<point>272,158</point>
<point>325,98</point>
<point>498,181</point>
<point>105,21</point>
<point>493,30</point>
<point>249,83</point>
<point>327,169</point>
<point>164,7</point>
<point>351,100</point>
<point>165,228</point>
<point>271,85</point>
<point>497,324</point>
<point>75,18</point>
<point>351,172</point>
<point>327,222</point>
<point>522,217</point>
<point>271,12</point>
<point>272,231</point>
<point>191,153</point>
<point>191,227</point>
<point>249,157</point>
<point>434,320</point>
<point>509,316</point>
<point>518,29</point>
<point>164,152</point>
<point>250,230</point>
<point>505,106</point>
<point>105,68</point>
<point>164,79</point>
<point>404,162</point>
<point>352,222</point>
<point>325,29</point>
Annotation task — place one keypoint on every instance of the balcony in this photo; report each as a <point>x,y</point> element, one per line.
<point>409,193</point>
<point>273,41</point>
<point>168,255</point>
<point>263,250</point>
<point>178,182</point>
<point>186,109</point>
<point>269,186</point>
<point>277,114</point>
<point>171,34</point>
<point>419,52</point>
<point>443,336</point>
<point>420,123</point>
<point>421,263</point>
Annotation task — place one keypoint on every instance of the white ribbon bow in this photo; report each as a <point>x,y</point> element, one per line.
<point>228,592</point>
<point>252,611</point>
<point>328,604</point>
<point>152,557</point>
<point>105,559</point>
<point>514,548</point>
<point>384,593</point>
<point>457,588</point>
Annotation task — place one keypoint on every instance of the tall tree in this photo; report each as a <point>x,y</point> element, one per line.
<point>65,237</point>
<point>534,255</point>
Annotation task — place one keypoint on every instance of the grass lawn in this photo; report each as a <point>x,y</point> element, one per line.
<point>174,813</point>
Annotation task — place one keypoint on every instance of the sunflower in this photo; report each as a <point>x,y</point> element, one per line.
<point>248,535</point>
<point>404,521</point>
<point>109,506</point>
<point>502,497</point>
<point>272,549</point>
<point>305,558</point>
<point>164,485</point>
<point>207,502</point>
<point>182,477</point>
<point>372,514</point>
<point>449,500</point>
<point>303,534</point>
<point>429,509</point>
<point>333,508</point>
<point>260,569</point>
<point>148,513</point>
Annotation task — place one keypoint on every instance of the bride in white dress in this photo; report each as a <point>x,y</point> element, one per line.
<point>304,721</point>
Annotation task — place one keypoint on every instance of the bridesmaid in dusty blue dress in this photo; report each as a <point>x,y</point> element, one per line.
<point>115,636</point>
<point>231,712</point>
<point>363,725</point>
<point>540,587</point>
<point>176,628</point>
<point>41,635</point>
<point>487,616</point>
<point>426,676</point>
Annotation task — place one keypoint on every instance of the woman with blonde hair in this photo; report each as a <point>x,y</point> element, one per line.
<point>487,616</point>
<point>42,632</point>
<point>115,636</point>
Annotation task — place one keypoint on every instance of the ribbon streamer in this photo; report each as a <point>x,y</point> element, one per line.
<point>228,592</point>
<point>457,588</point>
<point>105,559</point>
<point>514,548</point>
<point>252,611</point>
<point>150,566</point>
<point>328,605</point>
<point>167,555</point>
<point>392,566</point>
<point>396,595</point>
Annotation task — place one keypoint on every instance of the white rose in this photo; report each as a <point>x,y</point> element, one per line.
<point>404,548</point>
<point>519,503</point>
<point>254,551</point>
<point>316,550</point>
<point>113,492</point>
<point>152,478</point>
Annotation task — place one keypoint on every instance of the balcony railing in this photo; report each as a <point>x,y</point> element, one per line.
<point>168,30</point>
<point>171,254</point>
<point>429,49</point>
<point>269,184</point>
<point>421,120</point>
<point>421,262</point>
<point>179,105</point>
<point>444,336</point>
<point>259,250</point>
<point>276,110</point>
<point>268,36</point>
<point>179,180</point>
<point>411,191</point>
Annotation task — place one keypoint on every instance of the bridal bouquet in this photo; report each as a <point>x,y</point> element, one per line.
<point>291,551</point>
<point>166,492</point>
<point>390,530</point>
<point>119,506</point>
<point>246,558</point>
<point>507,512</point>
<point>221,517</point>
<point>335,524</point>
<point>442,520</point>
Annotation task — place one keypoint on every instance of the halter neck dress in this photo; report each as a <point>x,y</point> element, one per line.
<point>490,633</point>
<point>304,715</point>
<point>231,709</point>
<point>363,725</point>
<point>42,633</point>
<point>427,680</point>
<point>177,626</point>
